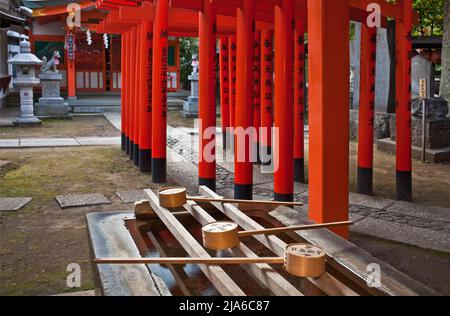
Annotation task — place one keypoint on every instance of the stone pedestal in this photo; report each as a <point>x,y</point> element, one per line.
<point>51,104</point>
<point>26,108</point>
<point>438,124</point>
<point>190,107</point>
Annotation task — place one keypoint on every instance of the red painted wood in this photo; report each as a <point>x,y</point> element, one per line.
<point>145,82</point>
<point>284,107</point>
<point>329,94</point>
<point>224,83</point>
<point>232,76</point>
<point>207,96</point>
<point>299,91</point>
<point>244,92</point>
<point>367,96</point>
<point>266,88</point>
<point>257,86</point>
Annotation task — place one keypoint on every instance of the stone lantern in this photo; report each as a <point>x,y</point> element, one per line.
<point>25,80</point>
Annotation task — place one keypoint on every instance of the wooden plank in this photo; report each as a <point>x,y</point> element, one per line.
<point>108,237</point>
<point>262,273</point>
<point>223,283</point>
<point>327,283</point>
<point>352,261</point>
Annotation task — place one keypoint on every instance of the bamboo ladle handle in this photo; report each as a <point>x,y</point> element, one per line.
<point>182,261</point>
<point>279,230</point>
<point>194,199</point>
<point>177,197</point>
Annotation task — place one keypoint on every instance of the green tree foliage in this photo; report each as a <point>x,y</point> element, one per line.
<point>188,47</point>
<point>431,17</point>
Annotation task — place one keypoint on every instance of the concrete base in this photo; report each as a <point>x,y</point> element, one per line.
<point>433,155</point>
<point>23,122</point>
<point>54,107</point>
<point>190,108</point>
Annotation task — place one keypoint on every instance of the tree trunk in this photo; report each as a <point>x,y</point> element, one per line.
<point>445,79</point>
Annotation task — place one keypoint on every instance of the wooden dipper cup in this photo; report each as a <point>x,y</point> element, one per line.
<point>225,235</point>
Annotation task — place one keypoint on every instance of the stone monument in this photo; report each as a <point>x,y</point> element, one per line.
<point>421,69</point>
<point>25,80</point>
<point>51,104</point>
<point>437,137</point>
<point>190,107</point>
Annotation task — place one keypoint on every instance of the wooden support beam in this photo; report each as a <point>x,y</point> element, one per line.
<point>327,283</point>
<point>223,283</point>
<point>329,92</point>
<point>207,95</point>
<point>367,109</point>
<point>284,107</point>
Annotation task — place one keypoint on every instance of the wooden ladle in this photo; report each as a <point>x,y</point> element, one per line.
<point>302,260</point>
<point>225,235</point>
<point>177,197</point>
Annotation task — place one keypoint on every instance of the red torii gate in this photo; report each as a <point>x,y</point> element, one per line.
<point>327,24</point>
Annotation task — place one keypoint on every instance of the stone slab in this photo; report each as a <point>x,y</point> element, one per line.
<point>115,118</point>
<point>13,204</point>
<point>4,163</point>
<point>48,142</point>
<point>9,143</point>
<point>404,233</point>
<point>130,196</point>
<point>80,200</point>
<point>98,141</point>
<point>419,210</point>
<point>433,155</point>
<point>370,201</point>
<point>83,293</point>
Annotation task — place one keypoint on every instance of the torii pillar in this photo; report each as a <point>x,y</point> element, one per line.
<point>124,63</point>
<point>257,92</point>
<point>232,79</point>
<point>403,103</point>
<point>299,101</point>
<point>145,82</point>
<point>137,93</point>
<point>126,91</point>
<point>329,89</point>
<point>266,96</point>
<point>224,89</point>
<point>71,70</point>
<point>367,109</point>
<point>207,96</point>
<point>284,107</point>
<point>159,91</point>
<point>243,165</point>
<point>132,92</point>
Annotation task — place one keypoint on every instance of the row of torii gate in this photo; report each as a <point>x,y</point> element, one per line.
<point>252,96</point>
